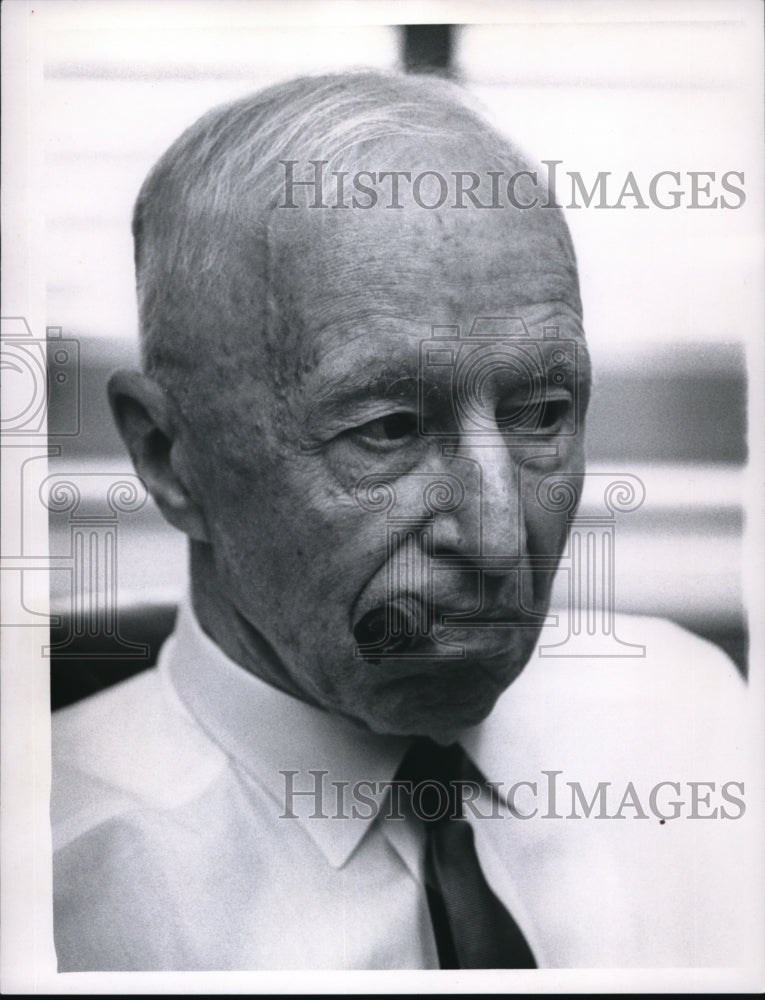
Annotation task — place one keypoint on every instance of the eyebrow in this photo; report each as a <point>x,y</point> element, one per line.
<point>343,392</point>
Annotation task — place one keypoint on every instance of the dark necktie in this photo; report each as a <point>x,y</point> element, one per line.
<point>473,930</point>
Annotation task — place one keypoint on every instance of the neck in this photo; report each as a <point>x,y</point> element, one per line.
<point>229,629</point>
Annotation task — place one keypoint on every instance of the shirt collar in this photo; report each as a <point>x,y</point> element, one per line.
<point>268,732</point>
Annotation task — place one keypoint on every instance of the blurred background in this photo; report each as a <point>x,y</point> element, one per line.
<point>607,88</point>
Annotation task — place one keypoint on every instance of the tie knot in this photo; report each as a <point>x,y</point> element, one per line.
<point>436,773</point>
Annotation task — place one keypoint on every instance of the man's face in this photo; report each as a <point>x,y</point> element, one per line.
<point>322,460</point>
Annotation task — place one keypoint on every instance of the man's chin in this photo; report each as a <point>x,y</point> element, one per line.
<point>437,705</point>
<point>443,727</point>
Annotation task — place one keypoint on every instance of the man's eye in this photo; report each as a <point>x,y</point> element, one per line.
<point>388,430</point>
<point>528,417</point>
<point>554,413</point>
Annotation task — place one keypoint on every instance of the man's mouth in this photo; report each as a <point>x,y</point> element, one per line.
<point>406,627</point>
<point>389,629</point>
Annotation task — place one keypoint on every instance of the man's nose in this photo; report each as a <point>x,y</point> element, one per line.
<point>488,525</point>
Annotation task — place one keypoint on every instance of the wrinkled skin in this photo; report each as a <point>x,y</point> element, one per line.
<point>282,427</point>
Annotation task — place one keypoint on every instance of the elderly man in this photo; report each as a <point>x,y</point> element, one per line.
<point>364,380</point>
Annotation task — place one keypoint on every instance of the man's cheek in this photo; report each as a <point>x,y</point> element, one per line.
<point>312,526</point>
<point>350,465</point>
<point>551,486</point>
<point>546,532</point>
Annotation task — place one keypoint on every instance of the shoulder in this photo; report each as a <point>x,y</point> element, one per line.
<point>661,693</point>
<point>633,772</point>
<point>643,659</point>
<point>637,646</point>
<point>132,746</point>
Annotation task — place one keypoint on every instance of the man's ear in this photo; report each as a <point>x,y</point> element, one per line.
<point>147,420</point>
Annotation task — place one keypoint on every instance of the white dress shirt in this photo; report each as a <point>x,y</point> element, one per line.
<point>173,846</point>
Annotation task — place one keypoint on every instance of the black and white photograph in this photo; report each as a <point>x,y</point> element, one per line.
<point>383,451</point>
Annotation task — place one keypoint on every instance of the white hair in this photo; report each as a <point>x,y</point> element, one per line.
<point>208,200</point>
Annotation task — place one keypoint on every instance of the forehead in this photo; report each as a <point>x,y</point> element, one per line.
<point>375,282</point>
